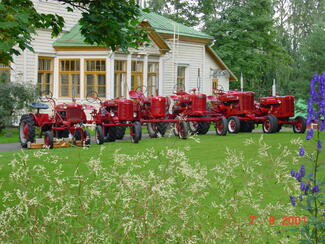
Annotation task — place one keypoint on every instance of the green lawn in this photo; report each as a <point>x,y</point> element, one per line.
<point>252,173</point>
<point>9,135</point>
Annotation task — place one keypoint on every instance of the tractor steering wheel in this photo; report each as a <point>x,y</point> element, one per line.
<point>92,97</point>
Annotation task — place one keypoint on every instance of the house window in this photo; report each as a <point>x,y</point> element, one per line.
<point>95,76</point>
<point>120,83</point>
<point>153,81</point>
<point>69,78</point>
<point>45,75</point>
<point>180,86</point>
<point>137,75</point>
<point>214,84</point>
<point>4,72</point>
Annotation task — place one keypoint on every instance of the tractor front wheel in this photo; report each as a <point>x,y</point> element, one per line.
<point>136,132</point>
<point>152,130</point>
<point>87,138</point>
<point>99,135</point>
<point>299,125</point>
<point>233,124</point>
<point>26,130</point>
<point>270,125</point>
<point>203,127</point>
<point>221,127</point>
<point>111,133</point>
<point>193,127</point>
<point>162,128</point>
<point>48,139</point>
<point>182,129</point>
<point>120,132</point>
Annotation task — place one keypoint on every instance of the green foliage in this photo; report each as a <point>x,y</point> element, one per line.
<point>18,23</point>
<point>113,24</point>
<point>13,98</point>
<point>246,40</point>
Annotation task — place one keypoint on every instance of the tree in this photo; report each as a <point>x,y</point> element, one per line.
<point>14,96</point>
<point>246,40</point>
<point>110,23</point>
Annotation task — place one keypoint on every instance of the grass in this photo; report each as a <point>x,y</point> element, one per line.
<point>9,135</point>
<point>210,152</point>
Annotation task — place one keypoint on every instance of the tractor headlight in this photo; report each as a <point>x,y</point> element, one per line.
<point>112,114</point>
<point>279,102</point>
<point>65,106</point>
<point>135,114</point>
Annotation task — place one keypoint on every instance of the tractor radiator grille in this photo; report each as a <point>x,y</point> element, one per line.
<point>74,114</point>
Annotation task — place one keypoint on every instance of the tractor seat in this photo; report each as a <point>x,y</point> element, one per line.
<point>39,105</point>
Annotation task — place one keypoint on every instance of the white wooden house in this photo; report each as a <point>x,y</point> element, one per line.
<point>178,57</point>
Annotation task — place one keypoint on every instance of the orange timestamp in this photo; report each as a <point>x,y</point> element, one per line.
<point>285,220</point>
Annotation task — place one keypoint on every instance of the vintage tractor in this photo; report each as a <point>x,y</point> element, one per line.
<point>67,121</point>
<point>243,112</point>
<point>113,117</point>
<point>192,108</point>
<point>153,111</point>
<point>280,108</point>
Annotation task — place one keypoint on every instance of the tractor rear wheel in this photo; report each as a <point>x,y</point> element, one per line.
<point>246,126</point>
<point>203,127</point>
<point>221,126</point>
<point>26,130</point>
<point>279,128</point>
<point>120,132</point>
<point>300,125</point>
<point>162,128</point>
<point>152,130</point>
<point>111,133</point>
<point>270,125</point>
<point>193,127</point>
<point>233,124</point>
<point>182,129</point>
<point>87,137</point>
<point>136,132</point>
<point>99,134</point>
<point>48,139</point>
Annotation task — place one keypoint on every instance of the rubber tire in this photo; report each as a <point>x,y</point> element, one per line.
<point>192,127</point>
<point>137,131</point>
<point>151,130</point>
<point>62,134</point>
<point>87,138</point>
<point>162,128</point>
<point>99,137</point>
<point>120,132</point>
<point>303,121</point>
<point>237,124</point>
<point>29,120</point>
<point>246,126</point>
<point>110,134</point>
<point>50,136</point>
<point>77,135</point>
<point>224,130</point>
<point>273,124</point>
<point>203,127</point>
<point>184,125</point>
<point>279,128</point>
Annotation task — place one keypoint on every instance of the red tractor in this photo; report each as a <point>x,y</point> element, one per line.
<point>152,111</point>
<point>192,108</point>
<point>280,108</point>
<point>113,117</point>
<point>68,120</point>
<point>243,112</point>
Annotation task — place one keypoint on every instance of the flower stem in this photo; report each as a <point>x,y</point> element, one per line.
<point>314,183</point>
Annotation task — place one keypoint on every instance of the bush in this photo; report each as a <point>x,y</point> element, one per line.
<point>14,96</point>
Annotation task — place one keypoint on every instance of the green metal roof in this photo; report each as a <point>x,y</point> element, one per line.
<point>165,25</point>
<point>161,24</point>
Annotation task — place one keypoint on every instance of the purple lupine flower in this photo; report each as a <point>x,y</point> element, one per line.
<point>310,134</point>
<point>315,189</point>
<point>300,197</point>
<point>307,188</point>
<point>301,151</point>
<point>319,145</point>
<point>302,171</point>
<point>298,176</point>
<point>310,175</point>
<point>293,200</point>
<point>293,173</point>
<point>302,186</point>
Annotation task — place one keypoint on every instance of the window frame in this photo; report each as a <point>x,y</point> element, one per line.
<point>95,73</point>
<point>156,73</point>
<point>177,77</point>
<point>137,73</point>
<point>44,72</point>
<point>120,72</point>
<point>215,81</point>
<point>69,73</point>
